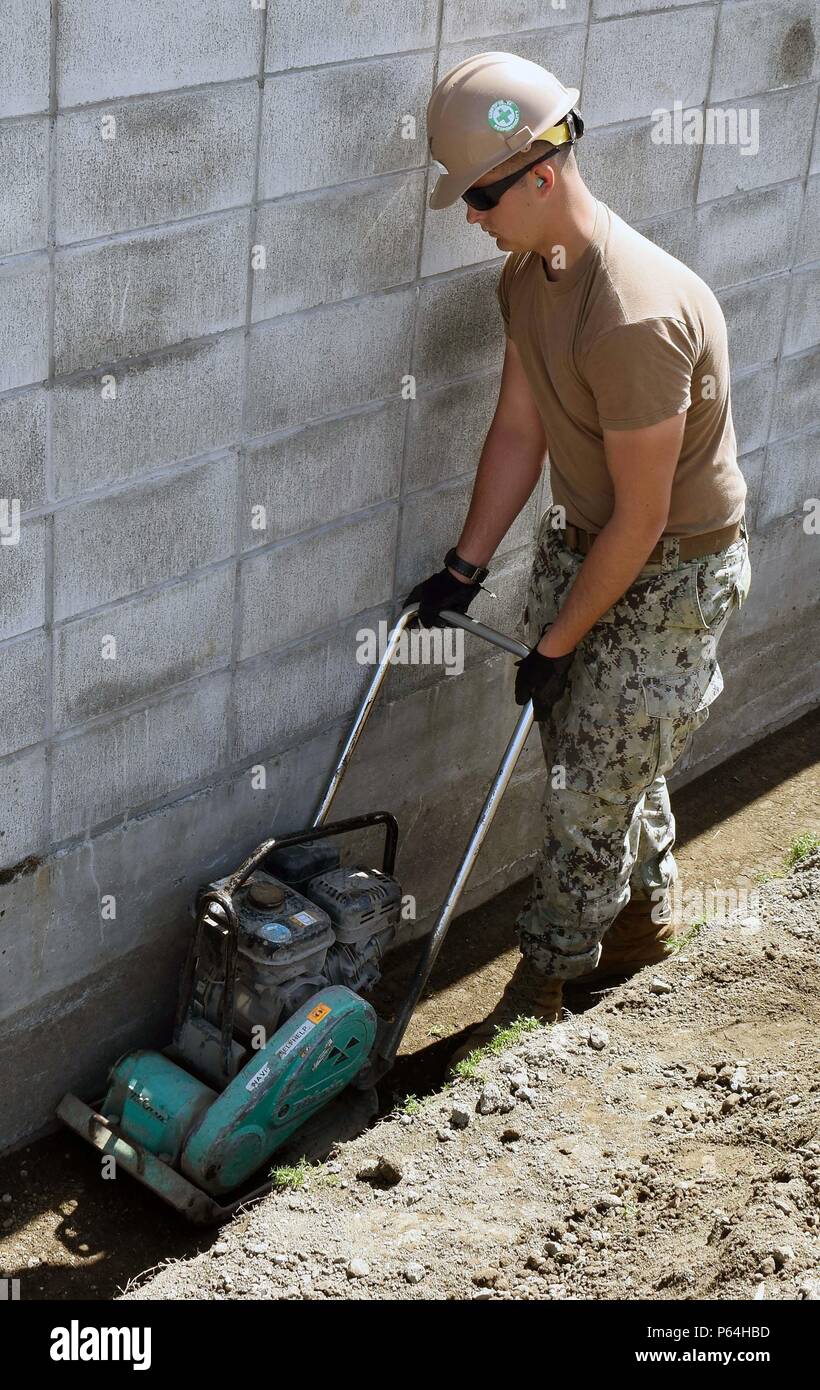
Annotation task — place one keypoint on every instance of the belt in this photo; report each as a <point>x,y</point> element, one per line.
<point>690,547</point>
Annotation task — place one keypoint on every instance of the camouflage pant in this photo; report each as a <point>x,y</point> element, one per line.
<point>642,681</point>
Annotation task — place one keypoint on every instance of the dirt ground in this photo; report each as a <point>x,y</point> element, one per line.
<point>663,1145</point>
<point>673,1152</point>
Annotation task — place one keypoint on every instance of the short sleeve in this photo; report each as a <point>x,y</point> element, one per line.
<point>641,373</point>
<point>502,291</point>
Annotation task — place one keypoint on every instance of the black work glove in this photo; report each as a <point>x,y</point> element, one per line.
<point>541,679</point>
<point>441,590</point>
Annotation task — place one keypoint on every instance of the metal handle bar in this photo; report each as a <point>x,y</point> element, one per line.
<point>387,1045</point>
<point>489,634</point>
<point>300,837</point>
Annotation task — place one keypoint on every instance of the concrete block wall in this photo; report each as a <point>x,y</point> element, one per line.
<point>217,270</point>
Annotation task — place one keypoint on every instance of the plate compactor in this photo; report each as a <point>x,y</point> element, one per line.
<point>271,1025</point>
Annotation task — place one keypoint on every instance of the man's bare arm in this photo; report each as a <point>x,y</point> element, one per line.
<point>642,465</point>
<point>509,467</point>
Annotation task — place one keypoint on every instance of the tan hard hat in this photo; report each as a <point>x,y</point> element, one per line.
<point>486,109</point>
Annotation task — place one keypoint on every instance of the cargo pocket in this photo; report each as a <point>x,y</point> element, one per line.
<point>721,584</point>
<point>744,581</point>
<point>679,705</point>
<point>604,752</point>
<point>670,697</point>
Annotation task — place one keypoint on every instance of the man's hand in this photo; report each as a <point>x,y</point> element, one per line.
<point>541,679</point>
<point>441,590</point>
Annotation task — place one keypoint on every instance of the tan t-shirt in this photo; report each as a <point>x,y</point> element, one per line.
<point>626,337</point>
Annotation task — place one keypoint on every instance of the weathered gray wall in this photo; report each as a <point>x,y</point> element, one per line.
<point>129,260</point>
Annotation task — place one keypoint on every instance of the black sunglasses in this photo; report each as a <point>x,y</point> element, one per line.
<point>491,193</point>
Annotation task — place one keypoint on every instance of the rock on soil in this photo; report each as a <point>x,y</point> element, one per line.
<point>665,1145</point>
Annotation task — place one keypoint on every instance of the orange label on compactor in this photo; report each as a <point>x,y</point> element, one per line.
<point>321,1011</point>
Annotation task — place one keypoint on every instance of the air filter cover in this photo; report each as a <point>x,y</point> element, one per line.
<point>359,902</point>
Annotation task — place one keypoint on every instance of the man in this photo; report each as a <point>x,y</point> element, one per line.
<point>616,362</point>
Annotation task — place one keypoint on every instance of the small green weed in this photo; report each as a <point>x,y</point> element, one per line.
<point>290,1177</point>
<point>677,943</point>
<point>468,1067</point>
<point>801,848</point>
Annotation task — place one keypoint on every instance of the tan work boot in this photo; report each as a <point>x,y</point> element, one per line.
<point>528,994</point>
<point>632,942</point>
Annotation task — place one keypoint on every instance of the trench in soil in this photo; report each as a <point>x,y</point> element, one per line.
<point>89,1237</point>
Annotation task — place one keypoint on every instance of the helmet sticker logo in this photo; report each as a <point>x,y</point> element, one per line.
<point>504,116</point>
